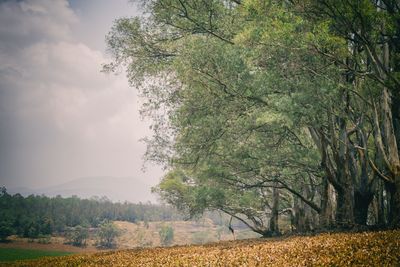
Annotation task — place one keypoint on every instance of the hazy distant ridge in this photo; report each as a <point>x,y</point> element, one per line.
<point>115,188</point>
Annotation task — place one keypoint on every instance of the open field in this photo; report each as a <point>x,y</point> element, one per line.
<point>185,233</point>
<point>12,254</point>
<point>139,234</point>
<point>339,249</point>
<point>56,243</point>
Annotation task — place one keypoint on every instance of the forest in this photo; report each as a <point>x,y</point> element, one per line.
<point>271,109</point>
<point>38,216</point>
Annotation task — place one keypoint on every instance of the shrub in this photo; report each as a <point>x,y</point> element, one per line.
<point>45,239</point>
<point>78,236</point>
<point>166,234</point>
<point>107,234</point>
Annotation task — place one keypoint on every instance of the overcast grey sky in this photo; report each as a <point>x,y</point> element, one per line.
<point>60,117</point>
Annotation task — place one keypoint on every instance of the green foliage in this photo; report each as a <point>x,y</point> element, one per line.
<point>5,231</point>
<point>46,239</point>
<point>166,234</point>
<point>34,216</point>
<point>230,105</point>
<point>107,234</point>
<point>244,97</point>
<point>78,235</point>
<point>32,231</point>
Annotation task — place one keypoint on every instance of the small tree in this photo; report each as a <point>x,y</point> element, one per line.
<point>78,236</point>
<point>166,234</point>
<point>107,234</point>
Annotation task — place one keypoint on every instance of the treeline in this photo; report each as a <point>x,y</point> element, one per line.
<point>35,215</point>
<point>271,108</point>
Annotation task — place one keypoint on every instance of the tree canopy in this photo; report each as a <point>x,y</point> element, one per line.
<point>264,109</point>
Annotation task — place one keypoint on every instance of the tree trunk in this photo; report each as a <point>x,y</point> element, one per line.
<point>345,191</point>
<point>363,194</point>
<point>326,217</point>
<point>300,216</point>
<point>396,119</point>
<point>387,147</point>
<point>380,205</point>
<point>395,200</point>
<point>273,223</point>
<point>394,208</point>
<point>361,205</point>
<point>345,207</point>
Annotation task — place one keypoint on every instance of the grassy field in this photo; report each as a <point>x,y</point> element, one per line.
<point>13,254</point>
<point>135,235</point>
<point>339,249</point>
<point>185,233</point>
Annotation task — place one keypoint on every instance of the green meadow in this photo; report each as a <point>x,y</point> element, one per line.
<point>13,254</point>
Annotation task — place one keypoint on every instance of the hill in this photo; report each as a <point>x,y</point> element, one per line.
<point>114,188</point>
<point>339,249</point>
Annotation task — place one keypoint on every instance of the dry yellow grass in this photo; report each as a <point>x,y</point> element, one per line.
<point>339,249</point>
<point>185,232</point>
<point>139,234</point>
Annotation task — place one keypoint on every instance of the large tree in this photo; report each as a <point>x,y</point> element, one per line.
<point>370,30</point>
<point>256,101</point>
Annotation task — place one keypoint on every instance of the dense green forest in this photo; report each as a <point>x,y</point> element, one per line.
<point>35,216</point>
<point>271,108</point>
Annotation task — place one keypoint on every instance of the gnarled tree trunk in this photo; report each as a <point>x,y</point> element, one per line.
<point>326,216</point>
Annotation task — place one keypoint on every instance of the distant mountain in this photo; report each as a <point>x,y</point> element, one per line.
<point>114,188</point>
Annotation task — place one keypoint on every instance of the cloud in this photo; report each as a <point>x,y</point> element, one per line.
<point>29,21</point>
<point>60,117</point>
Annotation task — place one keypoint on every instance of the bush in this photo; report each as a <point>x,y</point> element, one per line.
<point>45,239</point>
<point>166,234</point>
<point>107,234</point>
<point>142,239</point>
<point>77,237</point>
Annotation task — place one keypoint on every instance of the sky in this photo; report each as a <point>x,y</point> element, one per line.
<point>61,118</point>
